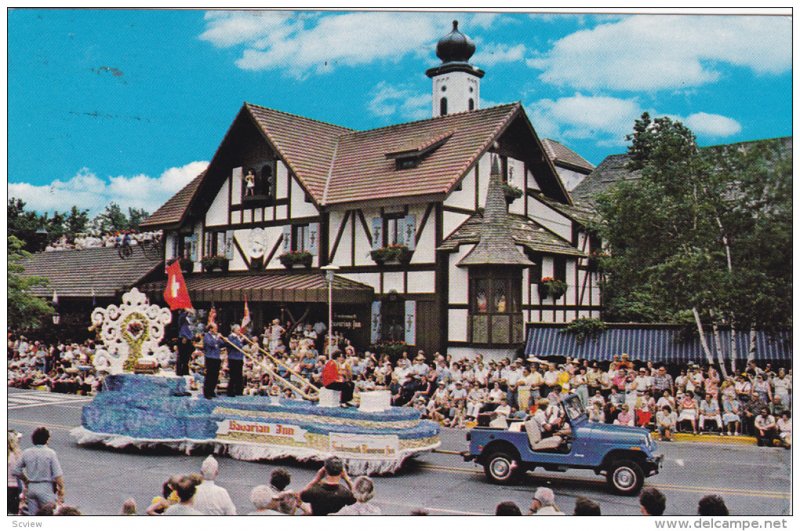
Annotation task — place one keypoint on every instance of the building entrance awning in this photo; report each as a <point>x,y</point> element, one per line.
<point>648,342</point>
<point>290,286</point>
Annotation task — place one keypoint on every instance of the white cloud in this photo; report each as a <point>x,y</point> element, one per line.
<point>490,54</point>
<point>602,118</point>
<point>656,52</point>
<point>301,44</point>
<point>399,101</point>
<point>608,120</point>
<point>712,125</point>
<point>88,191</point>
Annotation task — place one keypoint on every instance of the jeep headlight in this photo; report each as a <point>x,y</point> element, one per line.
<point>648,441</point>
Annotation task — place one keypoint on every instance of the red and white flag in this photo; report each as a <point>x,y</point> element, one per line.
<point>246,318</point>
<point>176,295</point>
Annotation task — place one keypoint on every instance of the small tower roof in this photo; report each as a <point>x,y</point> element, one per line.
<point>455,46</point>
<point>496,246</point>
<point>455,50</point>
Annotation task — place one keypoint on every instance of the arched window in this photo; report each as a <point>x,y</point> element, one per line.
<point>471,104</point>
<point>442,106</point>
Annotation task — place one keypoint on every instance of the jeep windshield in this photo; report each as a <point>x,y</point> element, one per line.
<point>573,407</point>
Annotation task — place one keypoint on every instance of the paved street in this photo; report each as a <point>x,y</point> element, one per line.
<point>753,481</point>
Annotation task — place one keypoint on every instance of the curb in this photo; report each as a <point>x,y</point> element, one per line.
<point>708,438</point>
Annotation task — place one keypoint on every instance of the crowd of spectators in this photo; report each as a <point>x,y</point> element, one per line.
<point>459,392</point>
<point>60,368</point>
<point>113,239</point>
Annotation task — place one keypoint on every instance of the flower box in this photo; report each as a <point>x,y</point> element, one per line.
<point>212,263</point>
<point>292,258</point>
<point>394,252</point>
<point>511,192</point>
<point>551,287</point>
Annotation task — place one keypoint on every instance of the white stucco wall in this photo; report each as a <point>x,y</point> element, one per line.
<point>458,277</point>
<point>300,208</point>
<point>451,221</point>
<point>457,325</point>
<point>217,213</point>
<point>457,91</point>
<point>549,218</point>
<point>464,198</point>
<point>421,282</point>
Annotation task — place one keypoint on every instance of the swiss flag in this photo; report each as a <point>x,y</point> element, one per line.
<point>175,294</point>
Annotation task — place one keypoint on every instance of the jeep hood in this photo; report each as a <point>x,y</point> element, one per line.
<point>613,432</point>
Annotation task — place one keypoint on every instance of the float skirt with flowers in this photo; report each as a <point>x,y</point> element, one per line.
<point>144,411</point>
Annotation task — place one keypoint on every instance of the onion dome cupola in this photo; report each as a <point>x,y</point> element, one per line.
<point>456,83</point>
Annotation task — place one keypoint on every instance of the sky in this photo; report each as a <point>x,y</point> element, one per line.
<point>130,105</point>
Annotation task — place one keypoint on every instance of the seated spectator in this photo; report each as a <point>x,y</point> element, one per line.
<point>730,414</point>
<point>652,502</point>
<point>507,508</point>
<point>688,410</point>
<point>625,417</point>
<point>766,428</point>
<point>709,410</point>
<point>784,425</point>
<point>666,420</point>
<point>586,507</point>
<point>363,492</point>
<point>712,505</point>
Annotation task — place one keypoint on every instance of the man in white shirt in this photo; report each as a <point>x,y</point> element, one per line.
<point>211,499</point>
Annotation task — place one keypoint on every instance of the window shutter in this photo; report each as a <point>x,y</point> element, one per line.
<point>229,244</point>
<point>401,231</point>
<point>193,254</point>
<point>375,323</point>
<point>287,238</point>
<point>175,245</point>
<point>410,232</point>
<point>313,238</point>
<point>411,323</point>
<point>377,233</point>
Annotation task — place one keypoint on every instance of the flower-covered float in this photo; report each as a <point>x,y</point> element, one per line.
<point>148,410</point>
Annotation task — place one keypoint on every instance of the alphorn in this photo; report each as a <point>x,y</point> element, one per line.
<point>274,374</point>
<point>279,362</point>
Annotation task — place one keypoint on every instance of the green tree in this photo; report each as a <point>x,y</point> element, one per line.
<point>77,221</point>
<point>112,219</point>
<point>26,225</point>
<point>25,310</point>
<point>705,233</point>
<point>136,216</point>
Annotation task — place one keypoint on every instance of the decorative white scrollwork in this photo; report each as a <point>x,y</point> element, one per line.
<point>130,333</point>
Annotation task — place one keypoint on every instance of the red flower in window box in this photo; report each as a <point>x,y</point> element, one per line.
<point>551,287</point>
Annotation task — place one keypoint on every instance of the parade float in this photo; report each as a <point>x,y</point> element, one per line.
<point>146,410</point>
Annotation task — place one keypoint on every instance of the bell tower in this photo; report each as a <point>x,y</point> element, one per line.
<point>456,83</point>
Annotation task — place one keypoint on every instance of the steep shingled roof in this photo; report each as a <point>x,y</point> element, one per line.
<point>308,146</point>
<point>362,170</point>
<point>562,155</point>
<point>75,273</point>
<point>171,212</point>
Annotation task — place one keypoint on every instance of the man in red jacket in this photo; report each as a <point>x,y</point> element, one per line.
<point>336,376</point>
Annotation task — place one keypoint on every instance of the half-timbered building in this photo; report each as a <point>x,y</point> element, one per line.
<point>442,229</point>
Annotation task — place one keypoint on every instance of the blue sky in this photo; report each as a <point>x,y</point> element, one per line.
<point>130,105</point>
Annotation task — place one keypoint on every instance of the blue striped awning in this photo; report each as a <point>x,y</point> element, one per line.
<point>657,344</point>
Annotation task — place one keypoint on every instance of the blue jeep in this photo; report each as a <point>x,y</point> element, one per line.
<point>625,455</point>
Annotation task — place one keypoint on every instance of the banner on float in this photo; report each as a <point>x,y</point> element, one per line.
<point>362,446</point>
<point>236,429</point>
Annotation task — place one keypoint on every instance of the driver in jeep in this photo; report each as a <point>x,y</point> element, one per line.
<point>546,428</point>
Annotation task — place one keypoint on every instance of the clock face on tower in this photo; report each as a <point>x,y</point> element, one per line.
<point>257,242</point>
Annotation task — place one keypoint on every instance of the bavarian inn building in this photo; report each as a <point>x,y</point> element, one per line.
<point>442,229</point>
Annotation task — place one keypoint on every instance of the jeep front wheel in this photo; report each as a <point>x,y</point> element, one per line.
<point>625,477</point>
<point>501,468</point>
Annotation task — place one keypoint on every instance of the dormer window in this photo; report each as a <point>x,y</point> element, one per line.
<point>411,155</point>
